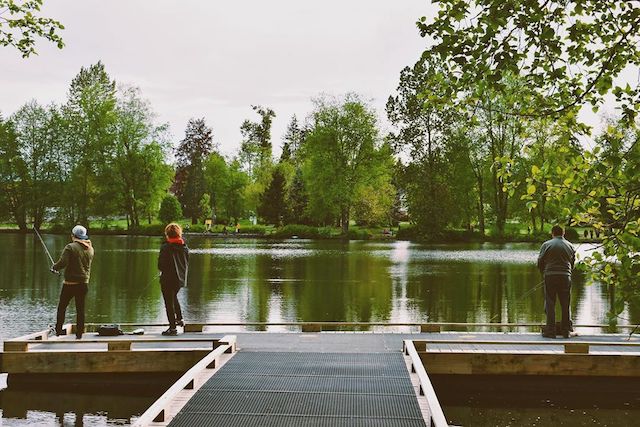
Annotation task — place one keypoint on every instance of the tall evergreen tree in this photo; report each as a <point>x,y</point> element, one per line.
<point>272,206</point>
<point>292,141</point>
<point>297,200</point>
<point>190,183</point>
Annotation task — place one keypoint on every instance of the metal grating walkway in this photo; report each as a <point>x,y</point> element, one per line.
<point>308,390</point>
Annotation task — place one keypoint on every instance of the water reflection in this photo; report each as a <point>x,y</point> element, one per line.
<point>297,280</point>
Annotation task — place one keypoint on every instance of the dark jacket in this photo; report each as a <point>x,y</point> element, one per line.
<point>557,257</point>
<point>76,260</point>
<point>173,263</point>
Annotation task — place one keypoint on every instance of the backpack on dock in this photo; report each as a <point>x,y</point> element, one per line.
<point>109,330</point>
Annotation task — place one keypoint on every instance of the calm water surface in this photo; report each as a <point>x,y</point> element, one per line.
<point>238,280</point>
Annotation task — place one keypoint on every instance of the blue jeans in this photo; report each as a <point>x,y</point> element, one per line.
<point>559,286</point>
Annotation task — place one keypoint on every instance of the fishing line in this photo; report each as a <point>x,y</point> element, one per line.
<point>147,286</point>
<point>526,294</point>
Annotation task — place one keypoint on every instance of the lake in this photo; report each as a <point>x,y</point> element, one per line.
<point>247,280</point>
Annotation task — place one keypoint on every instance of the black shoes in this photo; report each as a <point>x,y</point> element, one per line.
<point>548,335</point>
<point>170,332</point>
<point>180,322</point>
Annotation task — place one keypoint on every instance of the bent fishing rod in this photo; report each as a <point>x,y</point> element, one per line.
<point>46,250</point>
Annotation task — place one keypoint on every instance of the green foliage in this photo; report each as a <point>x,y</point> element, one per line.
<point>234,193</point>
<point>20,25</point>
<point>272,206</point>
<point>189,184</point>
<point>13,176</point>
<point>570,53</point>
<point>342,155</point>
<point>599,190</point>
<point>139,176</point>
<point>205,207</point>
<point>297,200</point>
<point>255,151</point>
<point>292,142</point>
<point>301,231</point>
<point>170,209</point>
<point>89,120</point>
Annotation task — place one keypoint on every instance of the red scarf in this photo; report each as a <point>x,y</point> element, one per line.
<point>177,240</point>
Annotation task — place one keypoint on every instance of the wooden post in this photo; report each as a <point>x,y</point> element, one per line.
<point>16,346</point>
<point>429,328</point>
<point>119,345</point>
<point>308,327</point>
<point>193,327</point>
<point>576,348</point>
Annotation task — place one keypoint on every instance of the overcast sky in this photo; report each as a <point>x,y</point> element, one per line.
<point>214,59</point>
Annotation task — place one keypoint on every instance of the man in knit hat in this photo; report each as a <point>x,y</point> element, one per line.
<point>76,261</point>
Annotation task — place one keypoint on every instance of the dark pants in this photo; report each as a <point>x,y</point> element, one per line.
<point>72,291</point>
<point>171,303</point>
<point>559,286</point>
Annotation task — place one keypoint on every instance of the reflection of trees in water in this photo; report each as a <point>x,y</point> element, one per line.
<point>330,281</point>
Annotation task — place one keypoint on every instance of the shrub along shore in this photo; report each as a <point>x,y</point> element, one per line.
<point>404,231</point>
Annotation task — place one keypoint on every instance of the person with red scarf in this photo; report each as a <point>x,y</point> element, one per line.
<point>173,263</point>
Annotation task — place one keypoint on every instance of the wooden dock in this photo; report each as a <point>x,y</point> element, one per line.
<point>317,378</point>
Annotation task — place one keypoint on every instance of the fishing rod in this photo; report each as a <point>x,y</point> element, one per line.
<point>46,250</point>
<point>526,294</point>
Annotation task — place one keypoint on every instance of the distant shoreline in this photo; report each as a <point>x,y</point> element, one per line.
<point>273,236</point>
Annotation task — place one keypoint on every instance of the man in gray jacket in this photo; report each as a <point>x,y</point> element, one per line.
<point>555,262</point>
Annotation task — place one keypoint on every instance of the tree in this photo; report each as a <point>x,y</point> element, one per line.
<point>292,141</point>
<point>342,155</point>
<point>139,176</point>
<point>13,175</point>
<point>170,209</point>
<point>255,151</point>
<point>31,123</point>
<point>234,194</point>
<point>423,126</point>
<point>599,189</point>
<point>189,184</point>
<point>20,25</point>
<point>90,115</point>
<point>205,207</point>
<point>569,53</point>
<point>216,172</point>
<point>297,200</point>
<point>272,206</point>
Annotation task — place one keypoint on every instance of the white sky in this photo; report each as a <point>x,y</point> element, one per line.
<point>214,59</point>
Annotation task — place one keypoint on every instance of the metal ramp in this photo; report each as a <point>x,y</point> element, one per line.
<point>306,389</point>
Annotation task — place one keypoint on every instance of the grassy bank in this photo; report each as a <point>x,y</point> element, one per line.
<point>405,231</point>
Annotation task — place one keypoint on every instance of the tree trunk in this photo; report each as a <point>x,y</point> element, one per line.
<point>481,205</point>
<point>344,220</point>
<point>533,220</point>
